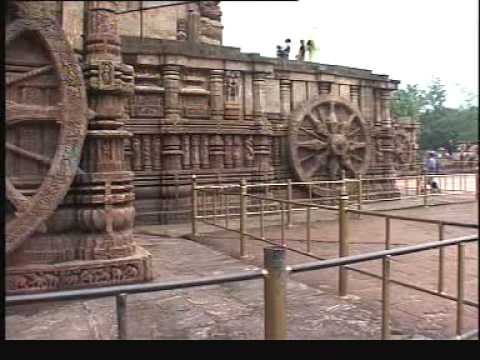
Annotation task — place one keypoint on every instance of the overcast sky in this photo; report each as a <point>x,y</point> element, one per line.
<point>410,40</point>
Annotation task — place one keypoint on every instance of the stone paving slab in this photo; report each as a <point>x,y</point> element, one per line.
<point>230,311</point>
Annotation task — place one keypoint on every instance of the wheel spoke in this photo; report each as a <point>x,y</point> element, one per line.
<point>310,132</point>
<point>356,145</point>
<point>356,157</point>
<point>30,74</point>
<point>354,132</point>
<point>28,154</point>
<point>315,165</point>
<point>17,113</point>
<point>18,200</point>
<point>314,144</point>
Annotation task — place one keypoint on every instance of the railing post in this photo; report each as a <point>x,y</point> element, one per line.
<point>262,219</point>
<point>275,292</point>
<point>243,216</point>
<point>360,193</point>
<point>386,298</point>
<point>227,210</point>
<point>425,191</point>
<point>309,219</point>
<point>121,302</point>
<point>343,239</point>
<point>441,258</point>
<point>477,185</point>
<point>282,223</point>
<point>289,205</point>
<point>215,193</point>
<point>417,185</point>
<point>387,232</point>
<point>460,287</point>
<point>194,205</point>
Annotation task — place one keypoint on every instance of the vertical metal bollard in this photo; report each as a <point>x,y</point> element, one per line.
<point>194,205</point>
<point>386,298</point>
<point>460,287</point>
<point>289,205</point>
<point>282,223</point>
<point>477,185</point>
<point>243,216</point>
<point>121,302</point>
<point>343,240</point>
<point>309,219</point>
<point>262,219</point>
<point>387,232</point>
<point>204,203</point>
<point>215,195</point>
<point>441,259</point>
<point>425,191</point>
<point>275,293</point>
<point>227,211</point>
<point>360,193</point>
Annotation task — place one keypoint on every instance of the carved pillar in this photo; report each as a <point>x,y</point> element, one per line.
<point>385,132</point>
<point>237,152</point>
<point>249,151</point>
<point>324,87</point>
<point>217,152</point>
<point>263,153</point>
<point>171,81</point>
<point>172,152</point>
<point>157,152</point>
<point>355,95</point>
<point>186,152</point>
<point>195,151</point>
<point>228,151</point>
<point>285,94</point>
<point>204,160</point>
<point>259,100</point>
<point>216,95</point>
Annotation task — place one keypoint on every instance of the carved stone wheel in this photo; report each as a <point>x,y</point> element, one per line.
<point>402,150</point>
<point>327,135</point>
<point>46,124</point>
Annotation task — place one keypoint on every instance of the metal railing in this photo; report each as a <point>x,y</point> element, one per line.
<point>285,209</point>
<point>275,277</point>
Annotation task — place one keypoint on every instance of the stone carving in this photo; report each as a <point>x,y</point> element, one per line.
<point>182,30</point>
<point>210,9</point>
<point>136,153</point>
<point>249,151</point>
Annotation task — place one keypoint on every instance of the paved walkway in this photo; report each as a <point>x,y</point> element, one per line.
<point>235,311</point>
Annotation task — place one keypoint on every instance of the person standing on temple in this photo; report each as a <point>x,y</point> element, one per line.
<point>312,51</point>
<point>286,51</point>
<point>301,51</point>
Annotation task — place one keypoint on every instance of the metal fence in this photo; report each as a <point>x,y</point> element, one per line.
<point>275,276</point>
<point>218,212</point>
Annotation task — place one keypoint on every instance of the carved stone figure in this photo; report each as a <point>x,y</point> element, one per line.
<point>210,9</point>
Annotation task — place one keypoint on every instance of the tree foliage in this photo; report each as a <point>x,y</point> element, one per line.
<point>439,124</point>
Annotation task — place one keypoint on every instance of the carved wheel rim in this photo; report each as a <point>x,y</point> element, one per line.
<point>71,115</point>
<point>326,135</point>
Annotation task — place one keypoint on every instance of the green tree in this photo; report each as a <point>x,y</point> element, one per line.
<point>409,102</point>
<point>435,96</point>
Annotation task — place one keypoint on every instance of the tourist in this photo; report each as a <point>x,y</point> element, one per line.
<point>432,167</point>
<point>312,51</point>
<point>286,51</point>
<point>301,51</point>
<point>279,51</point>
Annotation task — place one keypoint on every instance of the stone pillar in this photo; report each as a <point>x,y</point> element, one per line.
<point>285,101</point>
<point>355,95</point>
<point>259,101</point>
<point>324,87</point>
<point>216,95</point>
<point>105,188</point>
<point>385,133</point>
<point>171,82</point>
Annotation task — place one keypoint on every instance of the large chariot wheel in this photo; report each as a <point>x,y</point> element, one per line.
<point>327,135</point>
<point>46,124</point>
